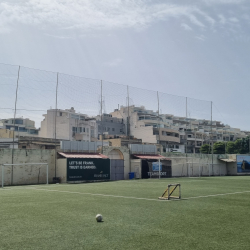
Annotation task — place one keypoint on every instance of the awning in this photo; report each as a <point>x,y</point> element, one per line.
<point>151,157</point>
<point>228,160</point>
<point>83,155</point>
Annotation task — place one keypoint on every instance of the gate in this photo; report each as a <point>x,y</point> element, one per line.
<point>117,169</point>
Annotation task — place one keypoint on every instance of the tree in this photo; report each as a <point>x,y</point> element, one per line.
<point>205,149</point>
<point>231,148</point>
<point>238,146</point>
<point>244,145</point>
<point>219,148</point>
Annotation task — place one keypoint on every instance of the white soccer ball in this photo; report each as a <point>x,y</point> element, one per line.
<point>98,217</point>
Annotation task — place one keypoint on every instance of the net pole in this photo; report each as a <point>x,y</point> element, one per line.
<point>2,175</point>
<point>199,170</point>
<point>14,122</point>
<point>212,145</point>
<point>101,118</point>
<point>159,169</point>
<point>47,174</point>
<point>57,80</point>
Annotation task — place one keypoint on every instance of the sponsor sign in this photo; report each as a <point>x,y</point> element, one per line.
<point>243,163</point>
<point>153,170</point>
<point>155,166</point>
<point>87,169</point>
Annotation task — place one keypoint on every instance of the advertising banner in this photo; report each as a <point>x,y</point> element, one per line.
<point>243,163</point>
<point>87,169</point>
<point>153,170</point>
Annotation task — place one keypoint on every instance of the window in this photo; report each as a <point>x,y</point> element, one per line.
<point>23,146</point>
<point>19,121</point>
<point>80,130</point>
<point>113,129</point>
<point>60,114</point>
<point>22,129</point>
<point>33,131</point>
<point>74,129</point>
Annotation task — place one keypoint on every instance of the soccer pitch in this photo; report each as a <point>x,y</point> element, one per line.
<point>212,214</point>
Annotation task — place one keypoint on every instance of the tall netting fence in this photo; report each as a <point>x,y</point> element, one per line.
<point>8,82</point>
<point>41,97</point>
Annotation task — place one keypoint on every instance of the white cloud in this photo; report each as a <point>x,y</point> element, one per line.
<point>195,21</point>
<point>201,37</point>
<point>88,15</point>
<point>212,2</point>
<point>234,19</point>
<point>186,27</point>
<point>222,19</point>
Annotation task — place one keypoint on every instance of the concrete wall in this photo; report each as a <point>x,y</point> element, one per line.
<point>61,169</point>
<point>27,174</point>
<point>136,167</point>
<point>232,168</point>
<point>196,165</point>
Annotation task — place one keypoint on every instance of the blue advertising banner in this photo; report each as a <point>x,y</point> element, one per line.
<point>155,166</point>
<point>243,163</point>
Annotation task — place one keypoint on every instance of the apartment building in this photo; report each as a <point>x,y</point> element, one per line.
<point>196,132</point>
<point>68,125</point>
<point>150,127</point>
<point>174,133</point>
<point>20,126</point>
<point>109,125</point>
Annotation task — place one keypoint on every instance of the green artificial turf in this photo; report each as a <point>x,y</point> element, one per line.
<point>63,216</point>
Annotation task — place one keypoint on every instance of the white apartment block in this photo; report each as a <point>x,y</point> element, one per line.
<point>68,125</point>
<point>150,128</point>
<point>20,126</point>
<point>177,134</point>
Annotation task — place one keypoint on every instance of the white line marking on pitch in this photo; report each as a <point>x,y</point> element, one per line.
<point>125,197</point>
<point>212,195</point>
<point>105,195</point>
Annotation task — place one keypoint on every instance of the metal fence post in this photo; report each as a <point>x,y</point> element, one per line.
<point>2,176</point>
<point>47,174</point>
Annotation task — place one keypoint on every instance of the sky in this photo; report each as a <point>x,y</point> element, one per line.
<point>196,49</point>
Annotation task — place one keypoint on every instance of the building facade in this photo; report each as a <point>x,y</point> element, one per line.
<point>68,125</point>
<point>109,125</point>
<point>174,133</point>
<point>20,126</point>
